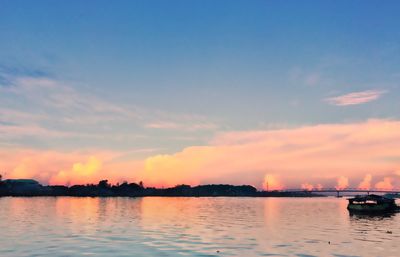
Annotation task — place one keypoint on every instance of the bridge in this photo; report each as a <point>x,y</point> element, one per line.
<point>344,190</point>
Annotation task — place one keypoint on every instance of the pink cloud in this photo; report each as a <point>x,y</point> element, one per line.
<point>386,183</point>
<point>272,182</point>
<point>307,186</point>
<point>318,154</point>
<point>319,187</point>
<point>366,182</point>
<point>79,167</point>
<point>356,97</point>
<point>342,183</point>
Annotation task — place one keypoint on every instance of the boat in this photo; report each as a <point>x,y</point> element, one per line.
<point>371,204</point>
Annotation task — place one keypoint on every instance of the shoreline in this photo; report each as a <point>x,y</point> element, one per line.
<point>162,196</point>
<point>32,188</point>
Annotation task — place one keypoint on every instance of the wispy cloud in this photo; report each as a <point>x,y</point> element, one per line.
<point>42,108</point>
<point>186,126</point>
<point>355,98</point>
<point>306,77</point>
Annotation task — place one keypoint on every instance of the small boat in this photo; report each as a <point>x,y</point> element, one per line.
<point>371,204</point>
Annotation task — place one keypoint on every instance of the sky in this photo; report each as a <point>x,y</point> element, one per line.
<point>293,94</point>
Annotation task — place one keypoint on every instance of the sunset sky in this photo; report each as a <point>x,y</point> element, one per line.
<point>302,94</point>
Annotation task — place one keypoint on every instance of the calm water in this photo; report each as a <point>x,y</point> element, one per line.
<point>66,226</point>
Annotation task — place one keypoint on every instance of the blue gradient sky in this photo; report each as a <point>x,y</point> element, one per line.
<point>150,77</point>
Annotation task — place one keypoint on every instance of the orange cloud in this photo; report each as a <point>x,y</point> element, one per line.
<point>307,186</point>
<point>319,187</point>
<point>318,153</point>
<point>342,183</point>
<point>272,182</point>
<point>366,182</point>
<point>184,167</point>
<point>79,173</point>
<point>66,167</point>
<point>385,184</point>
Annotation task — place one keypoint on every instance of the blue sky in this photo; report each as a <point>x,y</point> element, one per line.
<point>147,77</point>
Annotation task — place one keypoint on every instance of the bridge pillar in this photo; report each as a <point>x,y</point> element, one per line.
<point>338,194</point>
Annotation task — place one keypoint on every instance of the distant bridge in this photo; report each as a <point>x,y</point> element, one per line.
<point>343,190</point>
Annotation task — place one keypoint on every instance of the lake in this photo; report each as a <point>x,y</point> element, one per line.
<point>180,226</point>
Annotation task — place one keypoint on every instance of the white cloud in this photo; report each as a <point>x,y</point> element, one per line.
<point>185,125</point>
<point>356,97</point>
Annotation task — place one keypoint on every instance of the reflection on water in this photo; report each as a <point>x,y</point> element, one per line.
<point>67,226</point>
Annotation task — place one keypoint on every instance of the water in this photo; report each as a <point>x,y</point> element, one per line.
<point>152,226</point>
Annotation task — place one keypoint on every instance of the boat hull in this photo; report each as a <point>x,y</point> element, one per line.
<point>370,208</point>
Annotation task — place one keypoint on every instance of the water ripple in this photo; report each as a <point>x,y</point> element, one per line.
<point>154,226</point>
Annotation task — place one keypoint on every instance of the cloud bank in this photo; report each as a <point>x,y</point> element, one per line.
<point>334,155</point>
<point>330,155</point>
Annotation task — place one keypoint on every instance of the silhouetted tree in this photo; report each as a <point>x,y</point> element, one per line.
<point>104,184</point>
<point>1,177</point>
<point>141,184</point>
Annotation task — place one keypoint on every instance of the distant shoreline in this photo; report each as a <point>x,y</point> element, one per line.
<point>32,188</point>
<point>279,195</point>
